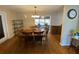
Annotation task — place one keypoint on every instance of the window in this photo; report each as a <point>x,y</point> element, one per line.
<point>47,21</point>
<point>42,21</point>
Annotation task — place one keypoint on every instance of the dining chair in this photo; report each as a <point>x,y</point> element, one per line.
<point>38,36</point>
<point>28,36</point>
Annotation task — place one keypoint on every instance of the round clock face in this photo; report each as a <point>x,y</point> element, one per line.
<point>72,13</point>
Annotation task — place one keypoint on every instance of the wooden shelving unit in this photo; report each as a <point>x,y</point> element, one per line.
<point>17,24</point>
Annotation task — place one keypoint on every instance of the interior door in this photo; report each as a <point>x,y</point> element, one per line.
<point>1,28</point>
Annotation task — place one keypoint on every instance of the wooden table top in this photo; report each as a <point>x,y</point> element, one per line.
<point>33,30</point>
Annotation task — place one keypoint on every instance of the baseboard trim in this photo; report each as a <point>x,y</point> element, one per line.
<point>5,39</point>
<point>2,40</point>
<point>64,44</point>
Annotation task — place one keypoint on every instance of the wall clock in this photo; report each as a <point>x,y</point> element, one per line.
<point>72,13</point>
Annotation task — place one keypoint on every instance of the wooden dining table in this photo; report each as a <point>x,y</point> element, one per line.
<point>34,31</point>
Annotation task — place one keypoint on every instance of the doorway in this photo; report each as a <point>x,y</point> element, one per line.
<point>3,27</point>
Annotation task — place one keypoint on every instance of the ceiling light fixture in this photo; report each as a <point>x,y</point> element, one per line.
<point>35,15</point>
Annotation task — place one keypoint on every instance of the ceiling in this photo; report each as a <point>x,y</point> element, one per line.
<point>30,8</point>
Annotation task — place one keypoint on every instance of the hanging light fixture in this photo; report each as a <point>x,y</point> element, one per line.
<point>35,15</point>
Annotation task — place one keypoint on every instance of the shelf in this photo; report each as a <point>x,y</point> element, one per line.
<point>17,24</point>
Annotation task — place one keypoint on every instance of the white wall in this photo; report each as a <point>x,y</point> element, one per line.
<point>68,25</point>
<point>8,16</point>
<point>56,18</point>
<point>28,21</point>
<point>78,20</point>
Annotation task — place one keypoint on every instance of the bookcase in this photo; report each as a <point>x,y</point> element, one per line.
<point>17,24</point>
